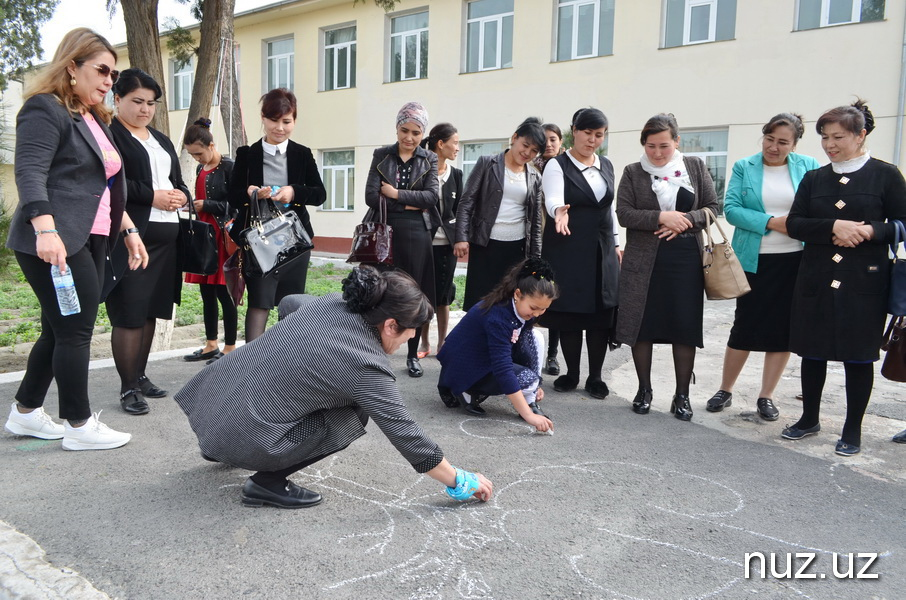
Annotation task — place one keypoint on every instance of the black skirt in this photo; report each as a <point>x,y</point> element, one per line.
<point>151,292</point>
<point>444,269</point>
<point>487,266</point>
<point>762,322</point>
<point>412,252</point>
<point>267,292</point>
<point>673,309</point>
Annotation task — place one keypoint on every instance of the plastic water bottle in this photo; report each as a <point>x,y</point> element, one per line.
<point>67,296</point>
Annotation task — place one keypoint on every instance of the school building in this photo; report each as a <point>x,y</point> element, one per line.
<point>722,67</point>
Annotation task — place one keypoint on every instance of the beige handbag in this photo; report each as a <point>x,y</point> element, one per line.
<point>724,277</point>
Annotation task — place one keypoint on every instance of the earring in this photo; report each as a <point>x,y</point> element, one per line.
<point>72,81</point>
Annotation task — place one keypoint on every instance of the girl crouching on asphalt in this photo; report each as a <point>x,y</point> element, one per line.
<point>495,348</point>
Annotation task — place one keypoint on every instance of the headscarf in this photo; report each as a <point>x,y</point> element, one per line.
<point>667,180</point>
<point>415,112</point>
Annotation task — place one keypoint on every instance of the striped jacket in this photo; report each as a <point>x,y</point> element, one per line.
<point>297,391</point>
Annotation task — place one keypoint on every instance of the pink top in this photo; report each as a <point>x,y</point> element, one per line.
<point>112,165</point>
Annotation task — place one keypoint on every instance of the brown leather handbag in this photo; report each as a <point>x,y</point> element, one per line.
<point>724,277</point>
<point>372,241</point>
<point>894,367</point>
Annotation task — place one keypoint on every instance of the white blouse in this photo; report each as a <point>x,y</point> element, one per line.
<point>552,183</point>
<point>160,176</point>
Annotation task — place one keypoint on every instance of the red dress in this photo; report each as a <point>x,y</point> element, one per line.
<point>216,278</point>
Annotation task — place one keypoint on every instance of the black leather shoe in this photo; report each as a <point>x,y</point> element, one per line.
<point>681,408</point>
<point>474,409</point>
<point>553,367</point>
<point>200,354</point>
<point>767,410</point>
<point>214,358</point>
<point>414,367</point>
<point>565,384</point>
<point>293,496</point>
<point>900,438</point>
<point>641,404</point>
<point>133,403</point>
<point>536,409</point>
<point>791,432</point>
<point>719,401</point>
<point>596,389</point>
<point>149,390</point>
<point>450,399</point>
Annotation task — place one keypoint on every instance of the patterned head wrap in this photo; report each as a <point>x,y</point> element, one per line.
<point>414,112</point>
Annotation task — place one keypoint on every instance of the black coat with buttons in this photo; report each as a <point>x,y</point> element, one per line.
<point>840,299</point>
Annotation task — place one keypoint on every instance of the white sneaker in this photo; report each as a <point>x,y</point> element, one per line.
<point>37,424</point>
<point>93,435</point>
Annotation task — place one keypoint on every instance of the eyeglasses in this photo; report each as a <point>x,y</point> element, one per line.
<point>104,70</point>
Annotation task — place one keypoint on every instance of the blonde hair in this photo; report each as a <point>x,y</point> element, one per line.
<point>76,47</point>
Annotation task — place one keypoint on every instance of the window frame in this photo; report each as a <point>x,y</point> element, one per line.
<point>467,165</point>
<point>704,155</point>
<point>687,21</point>
<point>290,67</point>
<point>574,41</point>
<point>350,47</point>
<point>824,15</point>
<point>348,179</point>
<point>403,35</point>
<point>483,21</point>
<point>176,82</point>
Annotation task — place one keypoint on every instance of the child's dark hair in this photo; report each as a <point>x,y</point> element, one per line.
<point>532,276</point>
<point>199,131</point>
<point>442,132</point>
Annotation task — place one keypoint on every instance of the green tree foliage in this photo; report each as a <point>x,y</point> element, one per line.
<point>20,36</point>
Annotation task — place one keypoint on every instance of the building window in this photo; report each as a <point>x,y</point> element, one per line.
<point>471,152</point>
<point>339,58</point>
<point>339,179</point>
<point>280,64</point>
<point>711,147</point>
<point>584,28</point>
<point>812,14</point>
<point>489,35</point>
<point>689,22</point>
<point>182,79</point>
<point>409,47</point>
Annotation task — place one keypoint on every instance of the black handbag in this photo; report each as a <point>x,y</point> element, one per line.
<point>896,298</point>
<point>894,366</point>
<point>197,245</point>
<point>372,241</point>
<point>273,239</point>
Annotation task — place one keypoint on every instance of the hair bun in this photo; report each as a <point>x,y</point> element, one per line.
<point>537,268</point>
<point>203,122</point>
<point>862,107</point>
<point>363,289</point>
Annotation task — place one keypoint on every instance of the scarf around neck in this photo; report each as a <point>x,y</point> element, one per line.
<point>667,180</point>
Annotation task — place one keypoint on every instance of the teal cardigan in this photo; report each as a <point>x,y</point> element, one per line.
<point>744,207</point>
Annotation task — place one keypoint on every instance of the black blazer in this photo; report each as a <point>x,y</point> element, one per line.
<point>60,171</point>
<point>138,172</point>
<point>450,193</point>
<point>302,173</point>
<point>423,191</point>
<point>216,188</point>
<point>477,211</point>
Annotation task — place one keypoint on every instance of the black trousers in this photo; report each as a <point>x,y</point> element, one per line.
<point>64,348</point>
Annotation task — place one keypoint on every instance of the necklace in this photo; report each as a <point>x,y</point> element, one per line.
<point>514,177</point>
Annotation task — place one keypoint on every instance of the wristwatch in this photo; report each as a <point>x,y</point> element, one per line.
<point>130,230</point>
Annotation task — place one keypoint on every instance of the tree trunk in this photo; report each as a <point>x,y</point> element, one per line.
<point>144,50</point>
<point>230,109</point>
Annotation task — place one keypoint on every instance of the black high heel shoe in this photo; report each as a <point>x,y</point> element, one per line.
<point>681,408</point>
<point>641,404</point>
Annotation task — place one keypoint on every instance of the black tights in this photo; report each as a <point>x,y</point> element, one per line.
<point>553,341</point>
<point>255,322</point>
<point>210,294</point>
<point>860,379</point>
<point>131,347</point>
<point>683,364</point>
<point>571,345</point>
<point>412,346</point>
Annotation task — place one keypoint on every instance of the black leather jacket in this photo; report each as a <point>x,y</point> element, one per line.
<point>423,191</point>
<point>217,188</point>
<point>480,203</point>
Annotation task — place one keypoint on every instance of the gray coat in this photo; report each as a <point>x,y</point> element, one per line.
<point>297,391</point>
<point>60,171</point>
<point>638,211</point>
<point>480,203</point>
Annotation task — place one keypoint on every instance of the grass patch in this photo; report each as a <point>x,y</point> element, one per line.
<point>20,313</point>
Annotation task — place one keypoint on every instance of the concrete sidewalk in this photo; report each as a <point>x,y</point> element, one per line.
<point>614,505</point>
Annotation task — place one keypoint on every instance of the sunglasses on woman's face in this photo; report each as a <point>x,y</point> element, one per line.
<point>104,70</point>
